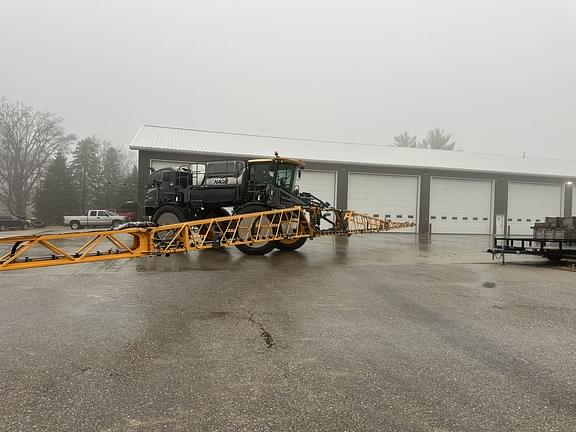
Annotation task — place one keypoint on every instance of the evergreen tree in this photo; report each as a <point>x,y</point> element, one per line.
<point>109,178</point>
<point>86,170</point>
<point>56,196</point>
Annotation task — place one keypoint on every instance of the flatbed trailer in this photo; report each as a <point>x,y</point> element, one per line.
<point>552,249</point>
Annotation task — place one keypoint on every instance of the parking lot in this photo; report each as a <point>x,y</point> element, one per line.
<point>377,332</point>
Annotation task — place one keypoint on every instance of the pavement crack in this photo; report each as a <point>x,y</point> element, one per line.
<point>545,307</point>
<point>265,335</point>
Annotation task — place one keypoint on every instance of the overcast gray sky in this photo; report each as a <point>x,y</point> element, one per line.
<point>499,74</point>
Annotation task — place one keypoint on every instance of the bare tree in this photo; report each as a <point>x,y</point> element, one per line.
<point>28,140</point>
<point>436,139</point>
<point>406,140</point>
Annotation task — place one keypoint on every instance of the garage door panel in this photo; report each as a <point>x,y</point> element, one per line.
<point>530,203</point>
<point>389,196</point>
<point>460,206</point>
<point>321,184</point>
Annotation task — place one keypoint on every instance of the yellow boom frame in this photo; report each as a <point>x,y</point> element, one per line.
<point>250,228</point>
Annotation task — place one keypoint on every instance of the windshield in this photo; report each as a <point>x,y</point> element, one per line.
<point>285,177</point>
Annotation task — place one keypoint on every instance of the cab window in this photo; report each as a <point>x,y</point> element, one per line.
<point>161,176</point>
<point>102,213</point>
<point>155,177</point>
<point>183,178</point>
<point>261,173</point>
<point>285,177</point>
<point>167,176</point>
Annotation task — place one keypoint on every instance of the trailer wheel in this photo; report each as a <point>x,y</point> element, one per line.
<point>291,244</point>
<point>252,227</point>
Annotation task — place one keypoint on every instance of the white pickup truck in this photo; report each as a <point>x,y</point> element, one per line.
<point>95,218</point>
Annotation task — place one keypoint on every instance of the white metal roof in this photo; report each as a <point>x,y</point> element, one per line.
<point>179,140</point>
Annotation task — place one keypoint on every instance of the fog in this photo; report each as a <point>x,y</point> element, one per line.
<point>499,75</point>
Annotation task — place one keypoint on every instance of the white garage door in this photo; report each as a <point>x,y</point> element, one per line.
<point>389,196</point>
<point>321,184</point>
<point>460,206</point>
<point>529,203</point>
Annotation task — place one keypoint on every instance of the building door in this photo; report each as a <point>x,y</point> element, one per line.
<point>321,184</point>
<point>388,196</point>
<point>460,206</point>
<point>529,203</point>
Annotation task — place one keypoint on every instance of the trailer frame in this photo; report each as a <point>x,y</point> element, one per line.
<point>552,249</point>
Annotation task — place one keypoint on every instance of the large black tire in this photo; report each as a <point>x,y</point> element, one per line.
<point>168,215</point>
<point>291,244</point>
<point>116,223</point>
<point>75,225</point>
<point>256,248</point>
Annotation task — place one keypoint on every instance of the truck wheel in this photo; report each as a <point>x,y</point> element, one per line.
<point>291,244</point>
<point>169,214</point>
<point>74,225</point>
<point>251,227</point>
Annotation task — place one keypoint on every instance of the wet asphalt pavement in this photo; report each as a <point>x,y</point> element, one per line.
<point>371,333</point>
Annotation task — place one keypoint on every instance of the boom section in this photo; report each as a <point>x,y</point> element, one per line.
<point>33,251</point>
